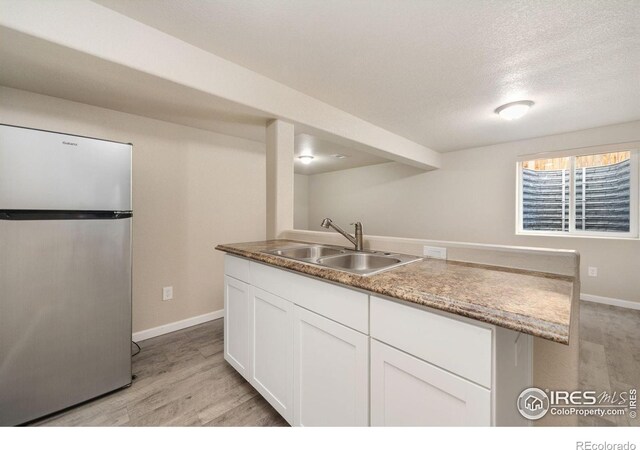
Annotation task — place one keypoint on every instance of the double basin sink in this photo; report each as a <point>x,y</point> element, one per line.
<point>351,261</point>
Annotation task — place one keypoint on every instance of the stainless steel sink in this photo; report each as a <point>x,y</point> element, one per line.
<point>359,262</point>
<point>315,252</point>
<point>346,260</point>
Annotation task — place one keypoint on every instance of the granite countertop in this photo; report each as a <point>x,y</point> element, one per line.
<point>534,303</point>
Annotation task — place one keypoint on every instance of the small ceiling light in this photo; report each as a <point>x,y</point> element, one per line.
<point>305,159</point>
<point>339,156</point>
<point>514,110</point>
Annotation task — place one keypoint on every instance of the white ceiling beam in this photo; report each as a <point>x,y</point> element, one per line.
<point>93,29</point>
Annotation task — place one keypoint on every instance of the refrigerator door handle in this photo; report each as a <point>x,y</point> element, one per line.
<point>37,214</point>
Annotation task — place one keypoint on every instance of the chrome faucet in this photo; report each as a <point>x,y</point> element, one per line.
<point>355,240</point>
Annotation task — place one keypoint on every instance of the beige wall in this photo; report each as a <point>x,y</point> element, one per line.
<point>472,199</point>
<point>300,201</point>
<point>192,189</point>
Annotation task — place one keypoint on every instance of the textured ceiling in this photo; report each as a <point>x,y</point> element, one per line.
<point>432,71</point>
<point>34,65</point>
<point>324,154</point>
<point>43,67</point>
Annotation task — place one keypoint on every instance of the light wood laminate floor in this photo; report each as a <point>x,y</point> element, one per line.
<point>609,355</point>
<point>182,378</point>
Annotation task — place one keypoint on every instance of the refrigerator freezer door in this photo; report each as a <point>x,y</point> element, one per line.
<point>65,313</point>
<point>45,170</point>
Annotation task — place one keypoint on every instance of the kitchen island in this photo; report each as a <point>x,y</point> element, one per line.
<point>433,342</point>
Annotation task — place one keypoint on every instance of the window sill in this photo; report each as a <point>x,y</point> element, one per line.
<point>576,235</point>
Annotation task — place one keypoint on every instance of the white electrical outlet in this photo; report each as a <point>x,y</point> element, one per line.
<point>593,271</point>
<point>434,252</point>
<point>167,293</point>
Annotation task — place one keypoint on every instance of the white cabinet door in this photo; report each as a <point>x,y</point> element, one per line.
<point>406,391</point>
<point>236,325</point>
<point>331,372</point>
<point>271,341</point>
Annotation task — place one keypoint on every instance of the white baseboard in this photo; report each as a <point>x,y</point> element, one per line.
<point>175,326</point>
<point>610,301</point>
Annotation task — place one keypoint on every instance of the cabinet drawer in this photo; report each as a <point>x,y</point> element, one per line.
<point>237,268</point>
<point>453,345</point>
<point>345,306</point>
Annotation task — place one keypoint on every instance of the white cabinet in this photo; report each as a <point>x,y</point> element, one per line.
<point>271,342</point>
<point>236,324</point>
<point>331,372</point>
<point>407,391</point>
<point>312,368</point>
<point>325,355</point>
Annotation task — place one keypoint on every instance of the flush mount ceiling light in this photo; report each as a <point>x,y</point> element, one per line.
<point>514,110</point>
<point>339,156</point>
<point>305,159</point>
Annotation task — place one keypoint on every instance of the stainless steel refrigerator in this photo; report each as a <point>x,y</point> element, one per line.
<point>65,271</point>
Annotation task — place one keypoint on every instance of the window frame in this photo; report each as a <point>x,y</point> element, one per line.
<point>634,194</point>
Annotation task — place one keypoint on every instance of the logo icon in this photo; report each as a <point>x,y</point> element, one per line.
<point>533,403</point>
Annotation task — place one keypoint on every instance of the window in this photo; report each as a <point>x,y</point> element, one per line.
<point>584,194</point>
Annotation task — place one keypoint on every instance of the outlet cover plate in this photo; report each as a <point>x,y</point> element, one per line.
<point>167,293</point>
<point>434,252</point>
